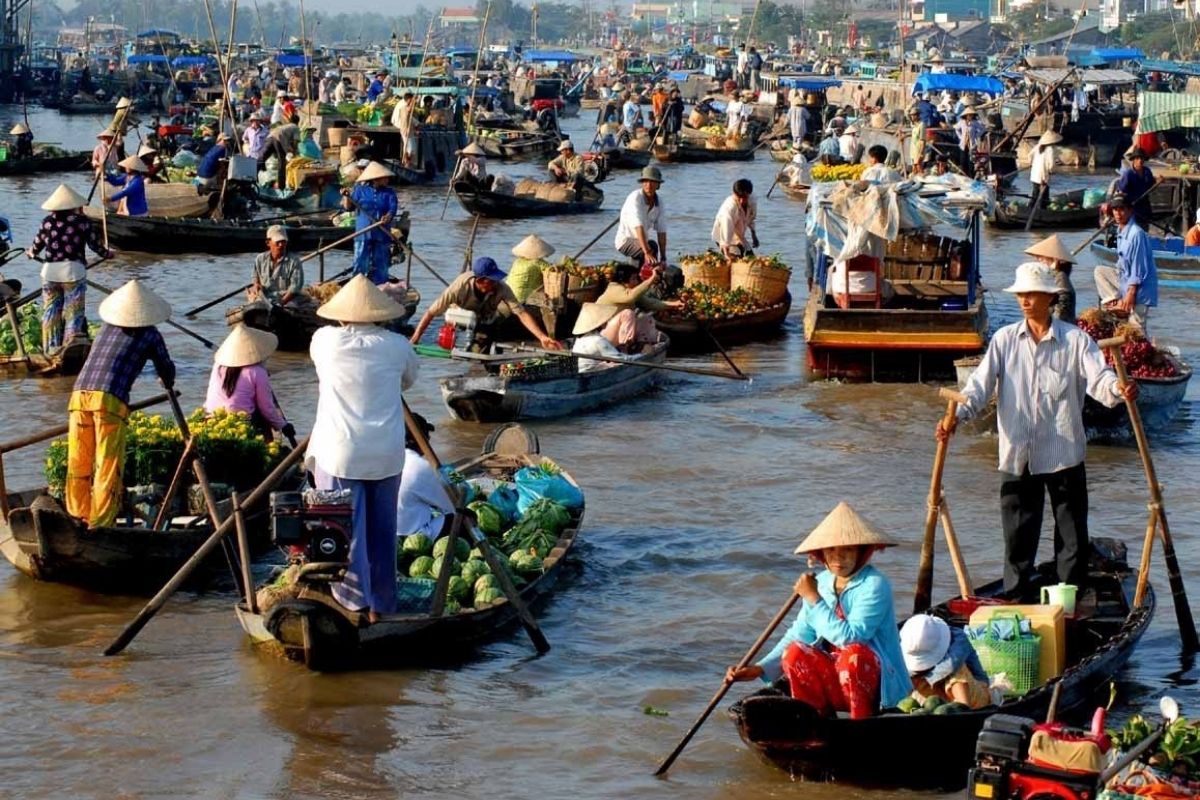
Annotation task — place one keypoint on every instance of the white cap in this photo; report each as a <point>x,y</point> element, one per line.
<point>925,640</point>
<point>1033,276</point>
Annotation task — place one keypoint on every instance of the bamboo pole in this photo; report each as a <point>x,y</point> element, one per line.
<point>59,430</point>
<point>243,546</point>
<point>474,86</point>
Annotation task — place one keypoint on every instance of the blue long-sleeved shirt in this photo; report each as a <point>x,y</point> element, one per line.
<point>134,193</point>
<point>372,204</point>
<point>1135,264</point>
<point>208,164</point>
<point>374,90</point>
<point>1136,188</point>
<point>869,618</point>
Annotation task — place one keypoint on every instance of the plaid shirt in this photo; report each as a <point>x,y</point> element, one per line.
<point>117,358</point>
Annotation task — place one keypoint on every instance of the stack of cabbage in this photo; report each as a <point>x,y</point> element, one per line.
<point>525,541</point>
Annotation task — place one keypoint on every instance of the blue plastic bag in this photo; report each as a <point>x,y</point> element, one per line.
<point>455,479</point>
<point>534,483</point>
<point>504,498</point>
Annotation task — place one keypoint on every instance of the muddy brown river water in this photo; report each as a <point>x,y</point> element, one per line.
<point>697,494</point>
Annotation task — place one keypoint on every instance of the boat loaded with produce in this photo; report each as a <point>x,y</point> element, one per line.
<point>29,359</point>
<point>527,508</point>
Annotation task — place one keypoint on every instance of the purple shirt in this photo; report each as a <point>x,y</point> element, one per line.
<point>252,393</point>
<point>64,236</point>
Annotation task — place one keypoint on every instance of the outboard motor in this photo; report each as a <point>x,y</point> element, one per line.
<point>312,526</point>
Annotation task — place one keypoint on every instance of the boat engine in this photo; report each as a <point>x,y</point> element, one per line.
<point>312,526</point>
<point>458,332</point>
<point>1017,758</point>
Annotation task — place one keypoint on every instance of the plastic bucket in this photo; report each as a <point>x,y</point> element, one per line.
<point>1062,594</point>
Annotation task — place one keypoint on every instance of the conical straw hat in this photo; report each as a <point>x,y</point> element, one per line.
<point>592,316</point>
<point>532,246</point>
<point>146,150</point>
<point>843,527</point>
<point>1050,137</point>
<point>375,170</point>
<point>245,346</point>
<point>19,128</point>
<point>123,103</point>
<point>134,306</point>
<point>1051,247</point>
<point>472,150</point>
<point>134,163</point>
<point>360,301</point>
<point>64,199</point>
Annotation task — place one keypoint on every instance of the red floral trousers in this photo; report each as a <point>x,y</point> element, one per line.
<point>845,680</point>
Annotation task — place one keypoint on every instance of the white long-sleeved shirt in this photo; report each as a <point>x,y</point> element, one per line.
<point>732,222</point>
<point>1039,389</point>
<point>359,429</point>
<point>1041,165</point>
<point>880,173</point>
<point>423,501</point>
<point>635,213</point>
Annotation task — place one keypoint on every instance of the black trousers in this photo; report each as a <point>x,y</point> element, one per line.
<point>1022,500</point>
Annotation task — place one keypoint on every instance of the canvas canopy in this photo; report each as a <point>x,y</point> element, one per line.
<point>1163,111</point>
<point>937,82</point>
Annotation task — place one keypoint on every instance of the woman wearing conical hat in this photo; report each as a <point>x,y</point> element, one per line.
<point>843,651</point>
<point>22,145</point>
<point>239,382</point>
<point>64,237</point>
<point>529,259</point>
<point>472,166</point>
<point>358,436</point>
<point>1053,253</point>
<point>374,200</point>
<point>131,198</point>
<point>99,404</point>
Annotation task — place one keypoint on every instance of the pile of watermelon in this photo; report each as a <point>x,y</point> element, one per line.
<point>522,541</point>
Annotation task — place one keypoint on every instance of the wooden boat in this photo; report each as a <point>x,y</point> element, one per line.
<point>313,628</point>
<point>485,395</point>
<point>796,191</point>
<point>1012,213</point>
<point>66,362</point>
<point>781,150</point>
<point>693,335</point>
<point>295,326</point>
<point>687,153</point>
<point>628,158</point>
<point>150,234</point>
<point>56,161</point>
<point>518,206</point>
<point>1158,402</point>
<point>893,748</point>
<point>1176,264</point>
<point>42,541</point>
<point>83,107</point>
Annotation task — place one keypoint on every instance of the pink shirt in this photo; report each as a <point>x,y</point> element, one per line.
<point>252,393</point>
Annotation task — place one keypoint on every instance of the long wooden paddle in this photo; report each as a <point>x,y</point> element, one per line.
<point>1104,225</point>
<point>711,373</point>
<point>498,569</point>
<point>308,257</point>
<point>1034,206</point>
<point>726,684</point>
<point>934,505</point>
<point>425,264</point>
<point>206,342</point>
<point>1158,515</point>
<point>159,600</point>
<point>597,238</point>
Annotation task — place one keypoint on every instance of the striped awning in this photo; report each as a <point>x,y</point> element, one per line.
<point>1162,111</point>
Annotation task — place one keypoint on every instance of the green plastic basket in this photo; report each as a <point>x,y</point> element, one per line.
<point>1017,658</point>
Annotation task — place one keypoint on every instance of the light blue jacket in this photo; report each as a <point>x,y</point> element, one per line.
<point>870,619</point>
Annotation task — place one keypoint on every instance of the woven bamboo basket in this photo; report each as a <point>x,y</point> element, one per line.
<point>694,272</point>
<point>697,119</point>
<point>580,292</point>
<point>554,283</point>
<point>338,136</point>
<point>767,285</point>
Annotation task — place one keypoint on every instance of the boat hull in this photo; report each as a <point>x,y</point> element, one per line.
<point>503,206</point>
<point>687,154</point>
<point>195,235</point>
<point>75,162</point>
<point>294,328</point>
<point>1181,268</point>
<point>67,362</point>
<point>696,336</point>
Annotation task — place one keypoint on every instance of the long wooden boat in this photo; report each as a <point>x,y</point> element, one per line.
<point>696,336</point>
<point>685,153</point>
<point>150,234</point>
<point>295,326</point>
<point>66,362</point>
<point>509,206</point>
<point>1158,403</point>
<point>781,150</point>
<point>894,748</point>
<point>83,108</point>
<point>65,161</point>
<point>795,191</point>
<point>1012,213</point>
<point>629,158</point>
<point>42,541</point>
<point>484,395</point>
<point>1177,265</point>
<point>313,628</point>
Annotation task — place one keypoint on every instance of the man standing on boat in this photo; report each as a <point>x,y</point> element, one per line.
<point>278,275</point>
<point>1041,166</point>
<point>1039,370</point>
<point>99,404</point>
<point>375,201</point>
<point>1135,183</point>
<point>641,213</point>
<point>733,229</point>
<point>1132,286</point>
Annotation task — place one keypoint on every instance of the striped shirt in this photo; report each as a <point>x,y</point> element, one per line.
<point>1040,388</point>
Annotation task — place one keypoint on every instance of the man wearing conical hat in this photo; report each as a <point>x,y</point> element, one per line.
<point>843,651</point>
<point>358,435</point>
<point>970,131</point>
<point>22,143</point>
<point>99,404</point>
<point>130,199</point>
<point>1041,166</point>
<point>374,201</point>
<point>108,152</point>
<point>62,240</point>
<point>1039,370</point>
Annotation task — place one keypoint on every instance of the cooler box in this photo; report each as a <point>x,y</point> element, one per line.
<point>1047,621</point>
<point>243,168</point>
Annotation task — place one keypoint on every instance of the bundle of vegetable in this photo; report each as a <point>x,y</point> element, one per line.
<point>30,324</point>
<point>1177,755</point>
<point>1141,358</point>
<point>823,173</point>
<point>707,302</point>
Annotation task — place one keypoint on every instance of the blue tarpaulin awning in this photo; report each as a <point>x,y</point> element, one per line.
<point>1119,53</point>
<point>292,60</point>
<point>561,56</point>
<point>192,61</point>
<point>937,82</point>
<point>810,83</point>
<point>1170,67</point>
<point>146,58</point>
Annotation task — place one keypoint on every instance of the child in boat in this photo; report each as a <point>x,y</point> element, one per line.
<point>843,651</point>
<point>942,663</point>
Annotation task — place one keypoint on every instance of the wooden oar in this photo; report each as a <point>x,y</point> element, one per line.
<point>469,253</point>
<point>59,430</point>
<point>485,547</point>
<point>207,343</point>
<point>588,246</point>
<point>159,600</point>
<point>726,684</point>
<point>36,293</point>
<point>425,264</point>
<point>1158,515</point>
<point>1033,207</point>
<point>711,373</point>
<point>924,591</point>
<point>303,259</point>
<point>708,330</point>
<point>16,330</point>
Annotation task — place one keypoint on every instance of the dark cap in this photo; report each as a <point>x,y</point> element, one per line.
<point>1119,201</point>
<point>1137,152</point>
<point>485,267</point>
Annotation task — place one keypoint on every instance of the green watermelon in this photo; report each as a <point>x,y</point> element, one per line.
<point>452,607</point>
<point>473,569</point>
<point>420,567</point>
<point>485,582</point>
<point>487,597</point>
<point>457,588</point>
<point>462,550</point>
<point>908,705</point>
<point>417,544</point>
<point>436,569</point>
<point>932,703</point>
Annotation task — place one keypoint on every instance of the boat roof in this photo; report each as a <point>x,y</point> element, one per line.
<point>1170,67</point>
<point>543,56</point>
<point>1164,111</point>
<point>812,83</point>
<point>937,82</point>
<point>1097,76</point>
